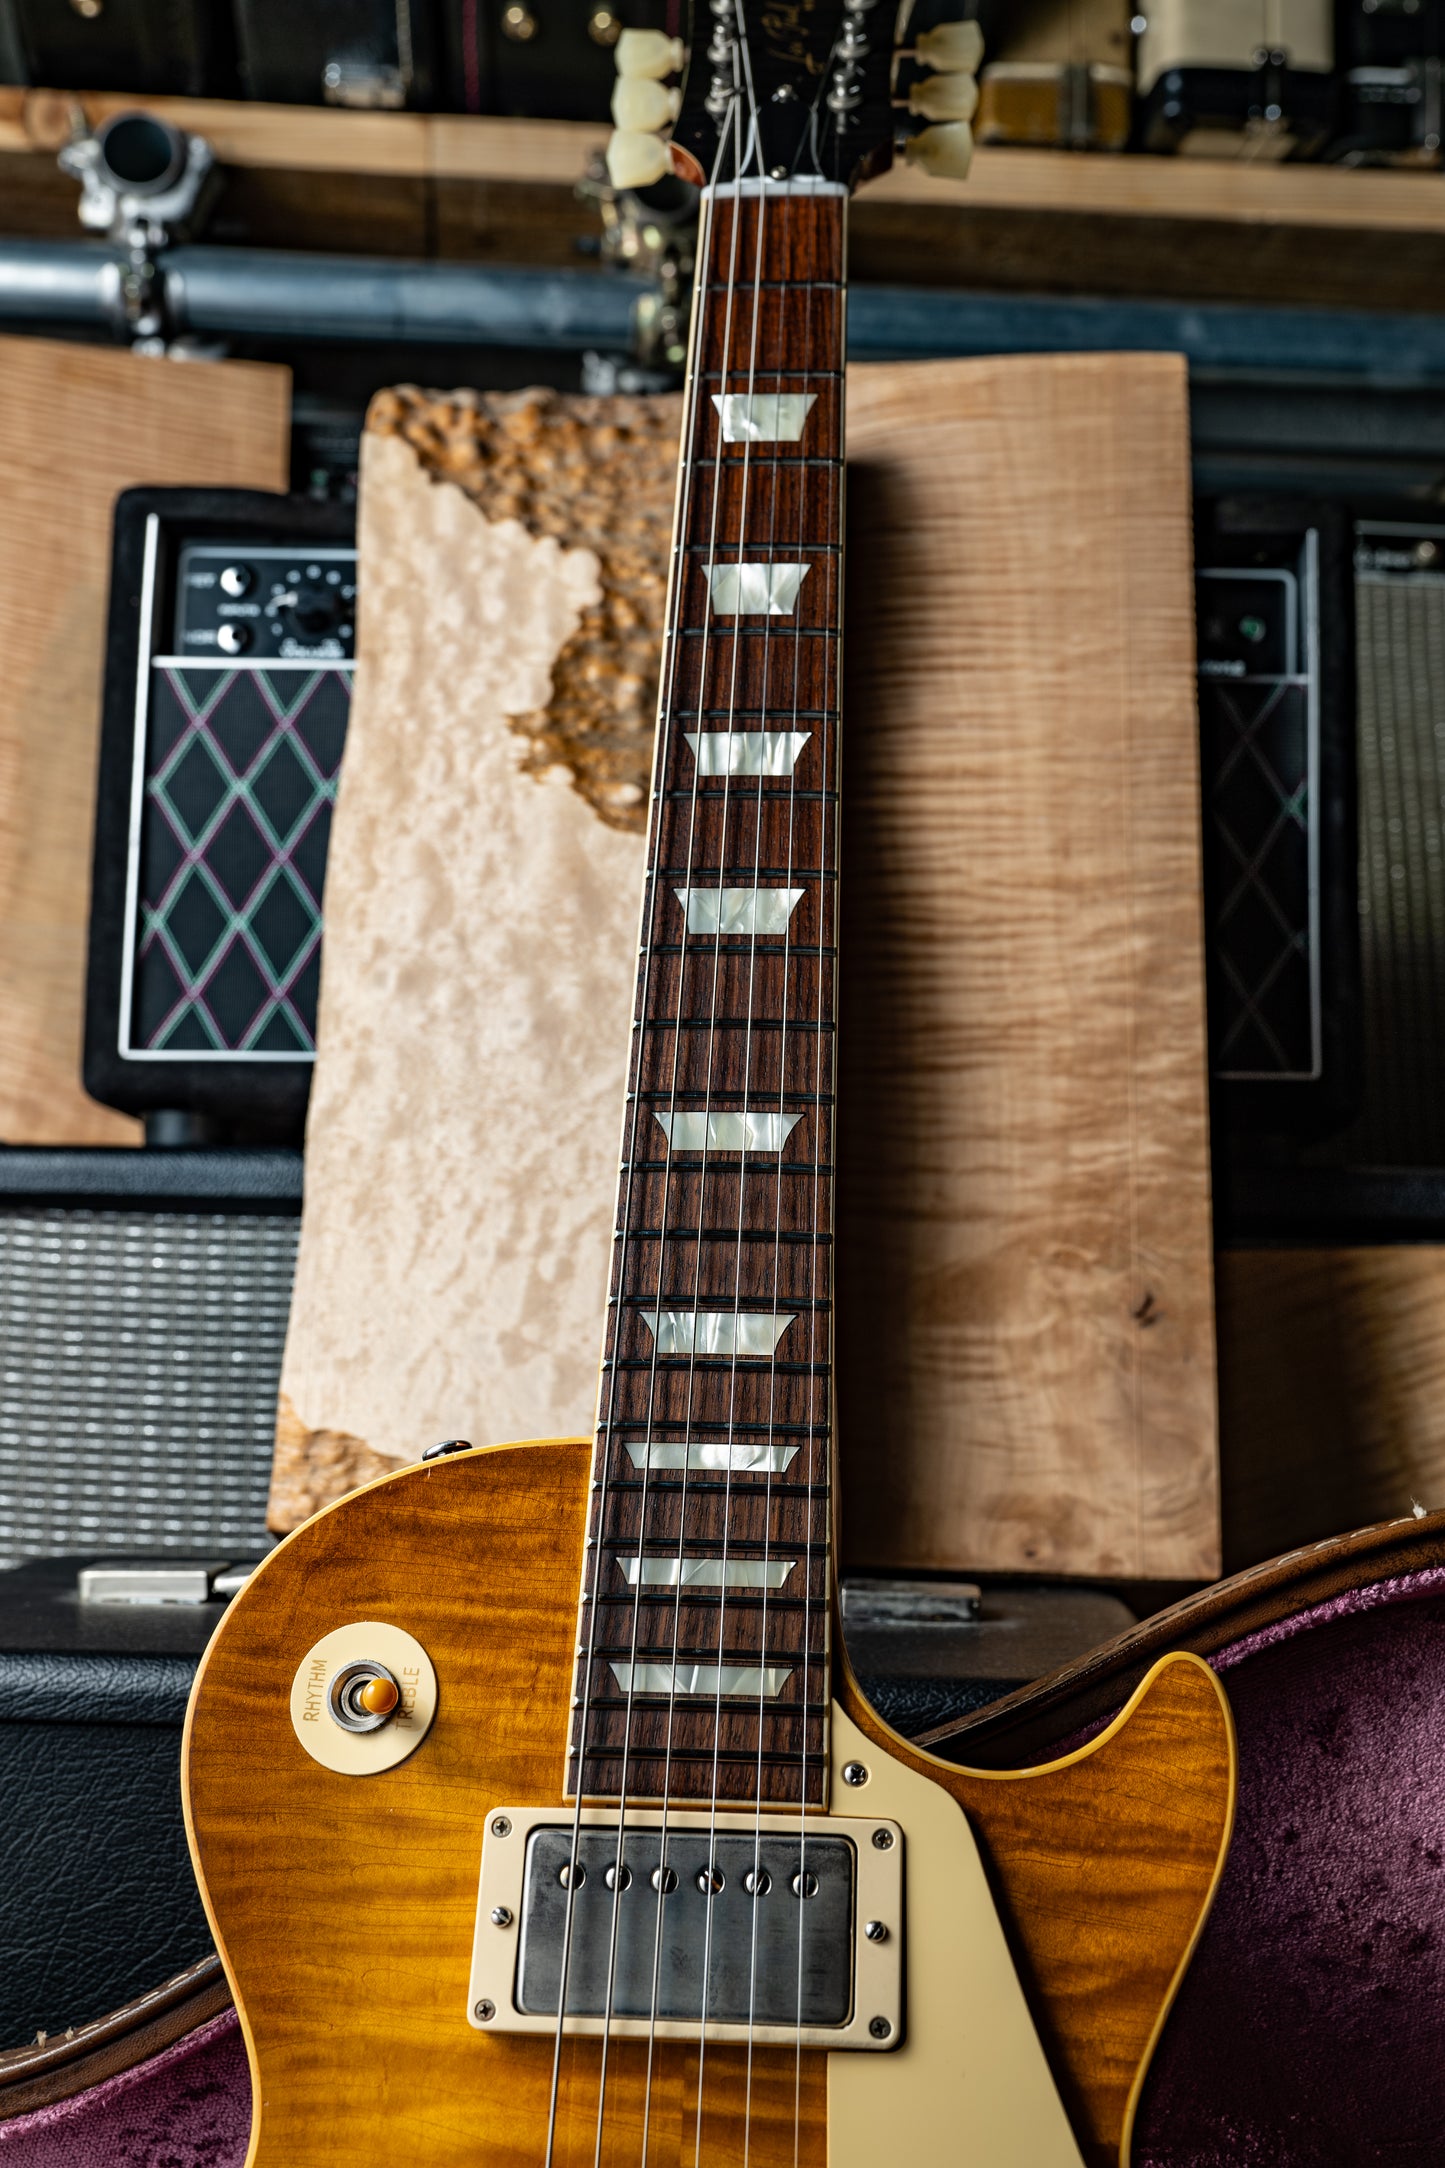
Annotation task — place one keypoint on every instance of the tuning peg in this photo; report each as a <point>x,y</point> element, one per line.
<point>636,160</point>
<point>644,54</point>
<point>639,102</point>
<point>949,48</point>
<point>939,97</point>
<point>946,152</point>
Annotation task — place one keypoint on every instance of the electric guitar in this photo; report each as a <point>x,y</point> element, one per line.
<point>538,1817</point>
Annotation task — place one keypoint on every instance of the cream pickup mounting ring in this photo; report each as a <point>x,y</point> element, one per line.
<point>326,1698</point>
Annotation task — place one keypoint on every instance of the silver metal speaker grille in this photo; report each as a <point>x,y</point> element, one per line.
<point>139,1359</point>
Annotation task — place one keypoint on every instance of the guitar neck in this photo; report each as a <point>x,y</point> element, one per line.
<point>702,1666</point>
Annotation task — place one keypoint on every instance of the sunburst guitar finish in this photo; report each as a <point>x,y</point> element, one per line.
<point>344,1906</point>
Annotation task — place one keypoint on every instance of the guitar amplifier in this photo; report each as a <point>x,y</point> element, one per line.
<point>1392,53</point>
<point>1060,73</point>
<point>229,659</point>
<point>379,53</point>
<point>1236,78</point>
<point>144,48</point>
<point>143,1305</point>
<point>542,59</point>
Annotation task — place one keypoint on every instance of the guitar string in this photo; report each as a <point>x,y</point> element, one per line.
<point>607,1399</point>
<point>681,582</point>
<point>801,471</point>
<point>739,208</point>
<point>719,468</point>
<point>735,1373</point>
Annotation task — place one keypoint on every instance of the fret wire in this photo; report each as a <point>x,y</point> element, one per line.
<point>794,645</point>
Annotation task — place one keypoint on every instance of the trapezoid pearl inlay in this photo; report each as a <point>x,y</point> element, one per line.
<point>708,1456</point>
<point>763,417</point>
<point>746,752</point>
<point>739,910</point>
<point>747,1132</point>
<point>753,1333</point>
<point>755,590</point>
<point>706,1572</point>
<point>756,1680</point>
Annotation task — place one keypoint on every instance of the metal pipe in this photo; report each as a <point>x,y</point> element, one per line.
<point>272,294</point>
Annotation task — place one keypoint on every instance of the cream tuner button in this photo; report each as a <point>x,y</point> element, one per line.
<point>232,639</point>
<point>237,580</point>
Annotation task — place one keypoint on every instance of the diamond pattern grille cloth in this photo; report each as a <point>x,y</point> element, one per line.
<point>1256,760</point>
<point>241,770</point>
<point>140,1354</point>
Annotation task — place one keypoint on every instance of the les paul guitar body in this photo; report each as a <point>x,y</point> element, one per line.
<point>344,1906</point>
<point>516,1865</point>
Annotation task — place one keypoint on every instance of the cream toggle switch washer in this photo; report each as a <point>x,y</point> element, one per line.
<point>326,1738</point>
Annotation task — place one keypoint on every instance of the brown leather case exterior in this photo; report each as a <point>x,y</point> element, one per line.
<point>57,2068</point>
<point>1028,1725</point>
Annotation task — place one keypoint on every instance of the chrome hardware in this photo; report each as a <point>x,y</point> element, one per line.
<point>854,1772</point>
<point>501,1827</point>
<point>447,1445</point>
<point>343,1696</point>
<point>485,2010</point>
<point>882,1840</point>
<point>502,1917</point>
<point>564,1875</point>
<point>874,1930</point>
<point>727,1922</point>
<point>879,2027</point>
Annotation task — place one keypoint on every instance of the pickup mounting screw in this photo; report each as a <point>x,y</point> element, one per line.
<point>882,1840</point>
<point>502,1917</point>
<point>854,1773</point>
<point>501,1827</point>
<point>879,2027</point>
<point>485,2010</point>
<point>875,1931</point>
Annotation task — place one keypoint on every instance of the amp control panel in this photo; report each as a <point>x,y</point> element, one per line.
<point>264,603</point>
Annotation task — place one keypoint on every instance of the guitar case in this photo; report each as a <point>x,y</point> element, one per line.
<point>1310,2029</point>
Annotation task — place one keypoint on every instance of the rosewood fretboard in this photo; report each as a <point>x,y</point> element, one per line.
<point>703,1639</point>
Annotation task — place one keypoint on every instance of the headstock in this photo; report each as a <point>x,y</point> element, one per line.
<point>793,89</point>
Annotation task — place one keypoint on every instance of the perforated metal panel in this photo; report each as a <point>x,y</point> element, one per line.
<point>139,1359</point>
<point>1401,641</point>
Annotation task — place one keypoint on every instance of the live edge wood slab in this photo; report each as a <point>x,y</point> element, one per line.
<point>1026,1346</point>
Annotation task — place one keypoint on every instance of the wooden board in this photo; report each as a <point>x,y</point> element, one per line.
<point>1027,1370</point>
<point>77,425</point>
<point>1026,1357</point>
<point>1332,1392</point>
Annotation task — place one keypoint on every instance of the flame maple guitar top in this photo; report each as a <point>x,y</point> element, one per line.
<point>344,1907</point>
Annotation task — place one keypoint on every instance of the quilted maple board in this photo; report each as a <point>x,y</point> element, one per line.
<point>1026,1345</point>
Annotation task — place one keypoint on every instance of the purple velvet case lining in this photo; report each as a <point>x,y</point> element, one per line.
<point>1310,2031</point>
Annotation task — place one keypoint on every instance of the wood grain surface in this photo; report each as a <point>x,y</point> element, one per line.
<point>77,425</point>
<point>1023,1148</point>
<point>344,1908</point>
<point>1332,1391</point>
<point>1026,1330</point>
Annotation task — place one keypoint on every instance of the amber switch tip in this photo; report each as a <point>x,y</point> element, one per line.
<point>379,1697</point>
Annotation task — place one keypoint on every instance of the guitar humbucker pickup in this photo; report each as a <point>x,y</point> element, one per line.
<point>754,1927</point>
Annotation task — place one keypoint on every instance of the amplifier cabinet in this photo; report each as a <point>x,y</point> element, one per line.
<point>229,659</point>
<point>542,59</point>
<point>145,48</point>
<point>376,53</point>
<point>1391,59</point>
<point>1060,73</point>
<point>1236,78</point>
